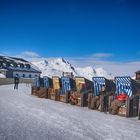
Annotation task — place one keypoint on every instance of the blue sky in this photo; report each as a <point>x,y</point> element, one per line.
<point>101,33</point>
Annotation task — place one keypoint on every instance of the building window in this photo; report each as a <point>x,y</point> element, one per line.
<point>15,65</point>
<point>4,64</point>
<point>7,64</point>
<point>28,66</point>
<point>30,76</point>
<point>21,65</point>
<point>0,64</point>
<point>12,65</point>
<point>23,75</point>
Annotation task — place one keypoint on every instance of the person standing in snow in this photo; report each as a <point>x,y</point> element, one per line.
<point>16,81</point>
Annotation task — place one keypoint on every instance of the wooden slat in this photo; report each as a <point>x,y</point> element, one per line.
<point>67,97</point>
<point>32,89</point>
<point>43,93</point>
<point>128,108</point>
<point>109,103</point>
<point>139,111</point>
<point>89,100</point>
<point>101,103</point>
<point>93,103</point>
<point>64,98</point>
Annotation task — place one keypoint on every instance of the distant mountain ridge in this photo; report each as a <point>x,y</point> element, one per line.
<point>56,66</point>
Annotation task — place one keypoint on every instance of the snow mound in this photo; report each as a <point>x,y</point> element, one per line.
<point>2,75</point>
<point>102,72</point>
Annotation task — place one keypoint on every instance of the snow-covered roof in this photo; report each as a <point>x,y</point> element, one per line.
<point>3,69</point>
<point>17,64</point>
<point>2,75</point>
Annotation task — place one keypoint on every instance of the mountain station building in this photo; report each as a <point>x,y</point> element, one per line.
<point>12,66</point>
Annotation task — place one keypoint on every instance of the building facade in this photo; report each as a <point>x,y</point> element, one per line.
<point>11,66</point>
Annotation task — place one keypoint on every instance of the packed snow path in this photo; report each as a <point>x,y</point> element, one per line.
<point>25,117</point>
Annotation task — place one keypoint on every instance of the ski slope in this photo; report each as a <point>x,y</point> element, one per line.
<point>25,117</point>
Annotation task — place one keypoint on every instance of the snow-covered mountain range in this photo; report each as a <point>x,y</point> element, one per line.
<point>56,66</point>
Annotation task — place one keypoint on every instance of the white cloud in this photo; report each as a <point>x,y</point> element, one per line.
<point>113,67</point>
<point>102,55</point>
<point>4,53</point>
<point>29,54</point>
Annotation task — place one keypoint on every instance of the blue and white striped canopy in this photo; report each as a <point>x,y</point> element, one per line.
<point>123,84</point>
<point>37,82</point>
<point>66,85</point>
<point>46,82</point>
<point>98,84</point>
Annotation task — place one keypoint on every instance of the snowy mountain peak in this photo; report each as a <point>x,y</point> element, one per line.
<point>59,61</point>
<point>41,63</point>
<point>56,66</point>
<point>88,68</point>
<point>102,72</point>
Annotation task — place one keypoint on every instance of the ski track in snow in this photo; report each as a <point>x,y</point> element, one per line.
<point>25,117</point>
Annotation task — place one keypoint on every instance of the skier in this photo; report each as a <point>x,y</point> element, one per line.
<point>16,81</point>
